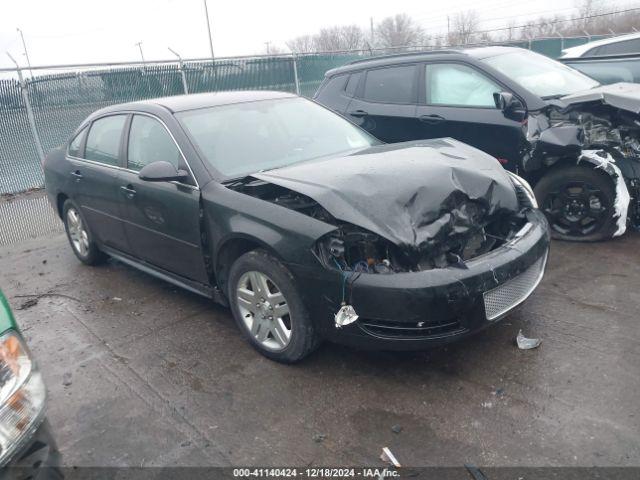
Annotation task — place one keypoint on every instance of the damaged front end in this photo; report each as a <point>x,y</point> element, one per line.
<point>420,232</point>
<point>600,128</point>
<point>457,210</point>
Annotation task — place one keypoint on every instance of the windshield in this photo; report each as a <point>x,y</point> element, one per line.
<point>539,74</point>
<point>245,138</point>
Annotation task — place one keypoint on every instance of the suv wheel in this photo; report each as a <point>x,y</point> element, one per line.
<point>268,308</point>
<point>79,235</point>
<point>579,203</point>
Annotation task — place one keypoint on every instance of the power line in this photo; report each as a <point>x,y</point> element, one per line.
<point>441,19</point>
<point>553,22</point>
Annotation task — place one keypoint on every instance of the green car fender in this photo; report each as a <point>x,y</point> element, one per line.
<point>7,322</point>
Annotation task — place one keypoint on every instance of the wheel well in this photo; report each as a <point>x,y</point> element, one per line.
<point>566,164</point>
<point>60,203</point>
<point>229,253</point>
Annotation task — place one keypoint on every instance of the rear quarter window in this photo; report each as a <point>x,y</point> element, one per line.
<point>333,87</point>
<point>76,144</point>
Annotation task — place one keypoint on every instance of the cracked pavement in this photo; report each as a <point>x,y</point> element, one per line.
<point>140,372</point>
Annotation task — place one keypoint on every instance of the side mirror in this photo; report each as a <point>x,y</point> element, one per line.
<point>161,172</point>
<point>510,105</point>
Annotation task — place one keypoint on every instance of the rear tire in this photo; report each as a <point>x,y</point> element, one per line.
<point>79,235</point>
<point>268,309</point>
<point>579,202</point>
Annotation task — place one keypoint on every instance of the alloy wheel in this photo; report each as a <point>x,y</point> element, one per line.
<point>264,310</point>
<point>77,232</point>
<point>577,209</point>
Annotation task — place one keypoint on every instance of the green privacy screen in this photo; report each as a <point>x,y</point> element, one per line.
<point>60,101</point>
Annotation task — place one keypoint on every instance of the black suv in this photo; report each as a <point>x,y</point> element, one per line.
<point>576,141</point>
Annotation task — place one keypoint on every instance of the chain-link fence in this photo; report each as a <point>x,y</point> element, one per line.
<point>39,112</point>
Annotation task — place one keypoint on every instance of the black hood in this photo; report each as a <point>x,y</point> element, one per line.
<point>625,96</point>
<point>411,193</point>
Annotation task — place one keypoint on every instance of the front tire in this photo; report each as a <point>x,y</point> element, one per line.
<point>579,203</point>
<point>79,235</point>
<point>268,309</point>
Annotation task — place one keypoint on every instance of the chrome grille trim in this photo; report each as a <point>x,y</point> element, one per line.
<point>514,291</point>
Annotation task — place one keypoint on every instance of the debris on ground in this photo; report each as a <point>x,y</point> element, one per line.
<point>475,472</point>
<point>487,404</point>
<point>32,302</point>
<point>117,299</point>
<point>396,428</point>
<point>319,437</point>
<point>186,443</point>
<point>525,343</point>
<point>66,379</point>
<point>389,457</point>
<point>499,392</point>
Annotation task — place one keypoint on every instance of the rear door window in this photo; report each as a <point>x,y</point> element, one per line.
<point>453,84</point>
<point>391,85</point>
<point>103,142</point>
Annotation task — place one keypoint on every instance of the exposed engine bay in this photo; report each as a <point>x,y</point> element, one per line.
<point>351,248</point>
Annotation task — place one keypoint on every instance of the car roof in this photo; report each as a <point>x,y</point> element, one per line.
<point>580,50</point>
<point>181,103</point>
<point>450,54</point>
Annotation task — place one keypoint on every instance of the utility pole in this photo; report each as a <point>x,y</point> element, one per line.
<point>206,14</point>
<point>267,45</point>
<point>371,30</point>
<point>26,53</point>
<point>448,30</point>
<point>139,45</point>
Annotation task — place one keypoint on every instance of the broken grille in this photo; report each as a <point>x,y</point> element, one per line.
<point>510,294</point>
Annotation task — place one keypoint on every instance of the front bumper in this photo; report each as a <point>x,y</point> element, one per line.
<point>411,311</point>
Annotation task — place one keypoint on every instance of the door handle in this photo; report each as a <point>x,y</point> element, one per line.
<point>358,113</point>
<point>129,191</point>
<point>77,175</point>
<point>432,119</point>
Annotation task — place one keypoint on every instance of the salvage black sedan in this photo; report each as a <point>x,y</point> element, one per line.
<point>306,226</point>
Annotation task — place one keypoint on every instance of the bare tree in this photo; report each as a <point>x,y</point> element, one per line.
<point>303,44</point>
<point>398,31</point>
<point>464,26</point>
<point>353,37</point>
<point>330,39</point>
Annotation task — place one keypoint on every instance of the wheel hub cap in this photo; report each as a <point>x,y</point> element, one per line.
<point>264,310</point>
<point>77,233</point>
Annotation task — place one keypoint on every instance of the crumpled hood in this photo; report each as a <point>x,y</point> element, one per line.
<point>413,194</point>
<point>625,96</point>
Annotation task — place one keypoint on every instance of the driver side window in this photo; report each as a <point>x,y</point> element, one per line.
<point>150,142</point>
<point>458,85</point>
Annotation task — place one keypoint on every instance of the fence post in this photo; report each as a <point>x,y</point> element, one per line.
<point>295,73</point>
<point>184,77</point>
<point>30,117</point>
